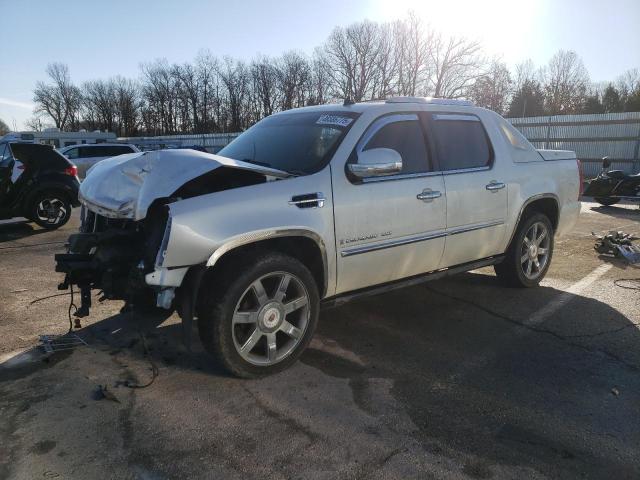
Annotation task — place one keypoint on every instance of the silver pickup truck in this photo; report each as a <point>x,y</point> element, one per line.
<point>316,206</point>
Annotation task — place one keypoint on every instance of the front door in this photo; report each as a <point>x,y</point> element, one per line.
<point>476,194</point>
<point>389,227</point>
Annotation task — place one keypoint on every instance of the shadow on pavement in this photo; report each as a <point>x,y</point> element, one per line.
<point>471,377</point>
<point>19,229</point>
<point>619,212</point>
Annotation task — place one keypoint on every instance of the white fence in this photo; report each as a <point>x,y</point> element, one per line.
<point>616,135</point>
<point>213,142</point>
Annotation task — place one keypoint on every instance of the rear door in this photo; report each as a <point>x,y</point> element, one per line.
<point>384,231</point>
<point>476,193</point>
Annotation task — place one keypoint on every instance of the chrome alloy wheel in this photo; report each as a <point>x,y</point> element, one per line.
<point>534,253</point>
<point>51,211</point>
<point>270,318</point>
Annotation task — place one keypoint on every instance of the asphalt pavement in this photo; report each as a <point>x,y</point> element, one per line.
<point>457,378</point>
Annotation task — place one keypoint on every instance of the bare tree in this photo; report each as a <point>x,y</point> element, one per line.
<point>352,54</point>
<point>412,52</point>
<point>320,83</point>
<point>492,89</point>
<point>293,75</point>
<point>456,64</point>
<point>160,89</point>
<point>60,100</point>
<point>209,81</point>
<point>234,77</point>
<point>264,76</point>
<point>4,128</point>
<point>565,83</point>
<point>35,123</point>
<point>99,100</point>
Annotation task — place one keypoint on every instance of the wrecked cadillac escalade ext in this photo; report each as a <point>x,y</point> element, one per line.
<point>316,206</point>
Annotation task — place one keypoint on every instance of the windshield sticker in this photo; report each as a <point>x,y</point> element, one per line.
<point>334,120</point>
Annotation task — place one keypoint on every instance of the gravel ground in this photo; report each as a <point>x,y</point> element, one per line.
<point>459,378</point>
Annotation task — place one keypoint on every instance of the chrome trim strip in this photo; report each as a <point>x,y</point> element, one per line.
<point>466,228</point>
<point>458,117</point>
<point>465,170</point>
<point>347,252</point>
<point>402,176</point>
<point>425,174</point>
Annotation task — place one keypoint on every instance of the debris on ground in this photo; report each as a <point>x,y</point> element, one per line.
<point>102,392</point>
<point>619,244</point>
<point>615,391</point>
<point>56,343</point>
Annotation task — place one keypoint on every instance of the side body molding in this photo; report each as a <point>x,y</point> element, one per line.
<point>254,237</point>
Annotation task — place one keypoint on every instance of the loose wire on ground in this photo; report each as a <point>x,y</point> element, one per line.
<point>154,367</point>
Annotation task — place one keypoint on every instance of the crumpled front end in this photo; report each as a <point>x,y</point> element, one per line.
<point>126,221</point>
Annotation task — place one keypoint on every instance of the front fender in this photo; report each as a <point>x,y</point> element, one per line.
<point>205,228</point>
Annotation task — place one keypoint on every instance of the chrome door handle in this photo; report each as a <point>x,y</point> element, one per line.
<point>493,186</point>
<point>427,195</point>
<point>308,200</point>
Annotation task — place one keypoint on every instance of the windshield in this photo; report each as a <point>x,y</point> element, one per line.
<point>299,143</point>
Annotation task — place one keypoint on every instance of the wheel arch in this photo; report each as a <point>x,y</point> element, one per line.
<point>304,245</point>
<point>546,203</point>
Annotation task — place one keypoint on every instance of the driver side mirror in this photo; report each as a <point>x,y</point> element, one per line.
<point>377,162</point>
<point>606,163</point>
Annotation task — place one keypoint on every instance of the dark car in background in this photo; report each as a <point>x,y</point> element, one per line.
<point>38,183</point>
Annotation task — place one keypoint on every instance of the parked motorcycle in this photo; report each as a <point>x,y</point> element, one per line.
<point>611,186</point>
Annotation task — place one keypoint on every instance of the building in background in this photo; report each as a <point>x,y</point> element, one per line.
<point>56,138</point>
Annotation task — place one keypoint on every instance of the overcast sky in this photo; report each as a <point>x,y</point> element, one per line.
<point>103,39</point>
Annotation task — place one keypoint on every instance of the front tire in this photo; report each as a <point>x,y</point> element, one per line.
<point>606,201</point>
<point>50,210</point>
<point>257,316</point>
<point>529,255</point>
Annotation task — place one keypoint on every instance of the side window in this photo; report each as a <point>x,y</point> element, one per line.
<point>72,153</point>
<point>461,142</point>
<point>118,150</point>
<point>402,133</point>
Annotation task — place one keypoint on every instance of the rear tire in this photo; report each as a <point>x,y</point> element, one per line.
<point>606,201</point>
<point>257,315</point>
<point>50,209</point>
<point>529,255</point>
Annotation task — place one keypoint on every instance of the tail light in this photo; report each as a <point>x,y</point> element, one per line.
<point>581,189</point>
<point>72,170</point>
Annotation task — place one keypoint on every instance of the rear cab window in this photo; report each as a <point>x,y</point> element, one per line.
<point>461,142</point>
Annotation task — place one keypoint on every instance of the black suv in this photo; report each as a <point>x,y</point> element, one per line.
<point>37,182</point>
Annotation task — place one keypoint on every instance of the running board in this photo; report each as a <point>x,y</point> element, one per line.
<point>343,298</point>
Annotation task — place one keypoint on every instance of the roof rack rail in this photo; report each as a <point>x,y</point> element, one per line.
<point>436,101</point>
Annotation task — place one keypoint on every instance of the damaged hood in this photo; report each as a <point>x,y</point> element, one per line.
<point>126,185</point>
